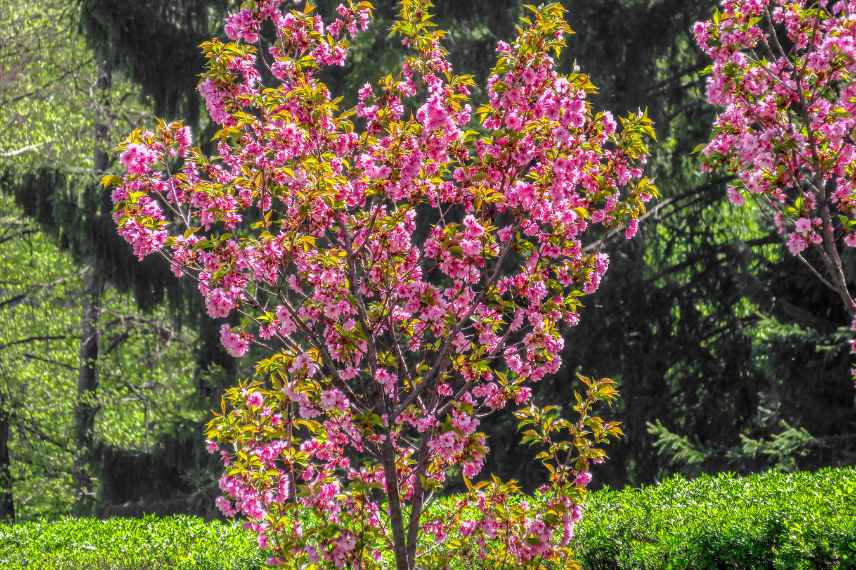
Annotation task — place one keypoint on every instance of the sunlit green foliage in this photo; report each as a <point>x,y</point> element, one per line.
<point>146,372</point>
<point>47,76</point>
<point>773,520</point>
<point>180,543</point>
<point>794,521</point>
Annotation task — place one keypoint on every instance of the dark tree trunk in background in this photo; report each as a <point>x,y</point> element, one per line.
<point>87,391</point>
<point>7,504</point>
<point>87,382</point>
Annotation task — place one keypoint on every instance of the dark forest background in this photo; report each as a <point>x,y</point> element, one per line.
<point>728,353</point>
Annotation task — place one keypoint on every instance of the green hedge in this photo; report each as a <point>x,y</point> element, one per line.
<point>773,520</point>
<point>151,543</point>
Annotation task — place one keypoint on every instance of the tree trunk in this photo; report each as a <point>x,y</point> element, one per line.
<point>394,505</point>
<point>87,390</point>
<point>417,500</point>
<point>87,382</point>
<point>7,504</point>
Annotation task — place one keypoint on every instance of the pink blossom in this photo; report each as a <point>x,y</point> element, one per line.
<point>583,479</point>
<point>386,379</point>
<point>255,400</point>
<point>734,196</point>
<point>138,158</point>
<point>242,25</point>
<point>236,344</point>
<point>632,228</point>
<point>776,130</point>
<point>334,399</point>
<point>803,226</point>
<point>796,244</point>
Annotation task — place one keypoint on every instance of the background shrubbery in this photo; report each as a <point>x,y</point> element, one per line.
<point>772,520</point>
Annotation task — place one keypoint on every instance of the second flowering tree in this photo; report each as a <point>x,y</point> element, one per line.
<point>783,73</point>
<point>405,267</point>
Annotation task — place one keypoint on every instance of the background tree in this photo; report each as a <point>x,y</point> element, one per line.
<point>58,102</point>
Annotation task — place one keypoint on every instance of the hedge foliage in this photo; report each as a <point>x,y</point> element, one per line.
<point>150,543</point>
<point>771,520</point>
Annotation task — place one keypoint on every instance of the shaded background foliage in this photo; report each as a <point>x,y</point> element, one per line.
<point>729,355</point>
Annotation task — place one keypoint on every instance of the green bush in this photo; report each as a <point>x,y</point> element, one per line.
<point>150,543</point>
<point>773,520</point>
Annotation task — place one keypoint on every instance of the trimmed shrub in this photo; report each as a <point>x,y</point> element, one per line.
<point>150,543</point>
<point>771,520</point>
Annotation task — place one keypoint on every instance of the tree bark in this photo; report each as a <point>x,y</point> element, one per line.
<point>87,382</point>
<point>394,505</point>
<point>418,500</point>
<point>87,390</point>
<point>7,503</point>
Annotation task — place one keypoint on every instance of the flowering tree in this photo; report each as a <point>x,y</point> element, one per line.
<point>783,72</point>
<point>402,275</point>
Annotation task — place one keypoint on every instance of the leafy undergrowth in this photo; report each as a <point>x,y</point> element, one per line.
<point>773,520</point>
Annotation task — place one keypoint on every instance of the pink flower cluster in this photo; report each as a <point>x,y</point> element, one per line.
<point>138,159</point>
<point>385,340</point>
